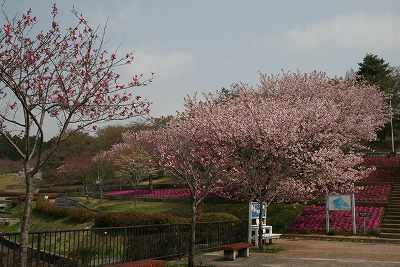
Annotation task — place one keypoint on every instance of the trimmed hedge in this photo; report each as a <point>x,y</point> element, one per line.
<point>11,194</point>
<point>58,190</point>
<point>59,212</point>
<point>216,217</point>
<point>120,219</point>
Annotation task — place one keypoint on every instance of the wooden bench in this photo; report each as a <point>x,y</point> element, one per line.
<point>143,263</point>
<point>239,249</point>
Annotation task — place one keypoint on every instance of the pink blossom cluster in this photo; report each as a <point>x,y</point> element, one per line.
<point>381,175</point>
<point>313,218</point>
<point>374,193</point>
<point>382,162</point>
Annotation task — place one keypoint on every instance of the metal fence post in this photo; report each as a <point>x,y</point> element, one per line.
<point>39,240</point>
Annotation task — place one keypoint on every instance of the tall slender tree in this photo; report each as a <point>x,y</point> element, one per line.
<point>185,149</point>
<point>63,78</point>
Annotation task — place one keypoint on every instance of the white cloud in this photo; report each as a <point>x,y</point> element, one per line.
<point>166,66</point>
<point>369,31</point>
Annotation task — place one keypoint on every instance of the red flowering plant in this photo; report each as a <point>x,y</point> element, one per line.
<point>374,193</point>
<point>382,162</point>
<point>313,219</point>
<point>380,175</point>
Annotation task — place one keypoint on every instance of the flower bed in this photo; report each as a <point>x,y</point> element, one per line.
<point>313,218</point>
<point>381,175</point>
<point>379,193</point>
<point>157,193</point>
<point>382,162</point>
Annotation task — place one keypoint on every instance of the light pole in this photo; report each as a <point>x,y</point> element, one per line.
<point>391,125</point>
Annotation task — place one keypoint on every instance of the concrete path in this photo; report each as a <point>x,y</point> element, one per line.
<point>312,253</point>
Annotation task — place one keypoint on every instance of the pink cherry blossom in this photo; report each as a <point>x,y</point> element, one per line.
<point>61,73</point>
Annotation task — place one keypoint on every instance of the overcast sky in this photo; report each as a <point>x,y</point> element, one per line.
<point>202,46</point>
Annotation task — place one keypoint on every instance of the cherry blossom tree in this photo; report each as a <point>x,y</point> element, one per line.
<point>65,78</point>
<point>296,136</point>
<point>79,168</point>
<point>103,169</point>
<point>136,166</point>
<point>184,150</point>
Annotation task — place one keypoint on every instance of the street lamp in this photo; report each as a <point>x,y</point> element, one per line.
<point>391,125</point>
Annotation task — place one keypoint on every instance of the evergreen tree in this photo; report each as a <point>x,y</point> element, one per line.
<point>376,71</point>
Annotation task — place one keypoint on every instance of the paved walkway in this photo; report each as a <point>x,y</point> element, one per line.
<point>312,253</point>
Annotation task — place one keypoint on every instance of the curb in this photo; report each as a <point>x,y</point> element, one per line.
<point>342,238</point>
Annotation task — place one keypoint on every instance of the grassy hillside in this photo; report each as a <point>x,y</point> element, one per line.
<point>279,216</point>
<point>9,179</point>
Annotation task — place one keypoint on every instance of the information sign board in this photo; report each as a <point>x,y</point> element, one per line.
<point>339,202</point>
<point>364,214</point>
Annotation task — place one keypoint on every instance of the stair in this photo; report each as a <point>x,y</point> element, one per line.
<point>390,227</point>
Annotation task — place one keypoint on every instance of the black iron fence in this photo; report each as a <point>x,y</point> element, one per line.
<point>107,246</point>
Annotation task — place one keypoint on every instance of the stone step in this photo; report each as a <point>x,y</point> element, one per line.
<point>390,225</point>
<point>390,230</point>
<point>392,216</point>
<point>391,222</point>
<point>391,210</point>
<point>393,206</point>
<point>389,235</point>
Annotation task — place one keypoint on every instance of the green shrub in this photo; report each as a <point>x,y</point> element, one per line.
<point>58,190</point>
<point>118,219</point>
<point>332,232</point>
<point>216,217</point>
<point>11,194</point>
<point>78,214</point>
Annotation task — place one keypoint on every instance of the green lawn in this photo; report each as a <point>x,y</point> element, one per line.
<point>9,179</point>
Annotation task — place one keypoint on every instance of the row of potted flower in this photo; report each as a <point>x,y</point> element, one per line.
<point>382,162</point>
<point>378,193</point>
<point>381,175</point>
<point>314,218</point>
<point>368,193</point>
<point>156,193</point>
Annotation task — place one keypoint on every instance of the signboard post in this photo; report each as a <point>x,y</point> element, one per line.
<point>254,213</point>
<point>341,202</point>
<point>364,214</point>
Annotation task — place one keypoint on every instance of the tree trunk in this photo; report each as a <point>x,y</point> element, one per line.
<point>193,234</point>
<point>25,226</point>
<point>150,183</point>
<point>260,227</point>
<point>101,193</point>
<point>86,191</point>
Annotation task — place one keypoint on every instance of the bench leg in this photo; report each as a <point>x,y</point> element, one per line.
<point>230,255</point>
<point>244,252</point>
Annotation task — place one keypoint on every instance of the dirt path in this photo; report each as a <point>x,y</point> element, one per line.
<point>298,253</point>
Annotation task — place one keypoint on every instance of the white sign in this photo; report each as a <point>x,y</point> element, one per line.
<point>339,202</point>
<point>255,210</point>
